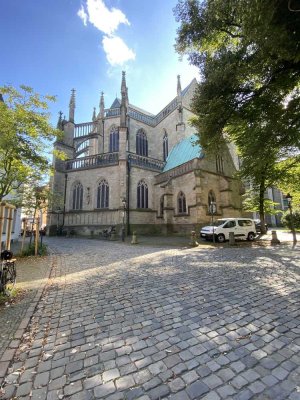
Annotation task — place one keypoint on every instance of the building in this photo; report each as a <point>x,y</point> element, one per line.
<point>130,168</point>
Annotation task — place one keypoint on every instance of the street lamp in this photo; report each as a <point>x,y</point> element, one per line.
<point>124,215</point>
<point>289,201</point>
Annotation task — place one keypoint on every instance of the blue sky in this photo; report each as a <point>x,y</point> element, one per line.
<point>58,45</point>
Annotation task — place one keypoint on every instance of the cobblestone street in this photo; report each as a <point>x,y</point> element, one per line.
<point>117,321</point>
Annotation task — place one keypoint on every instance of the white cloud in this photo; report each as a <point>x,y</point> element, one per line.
<point>82,15</point>
<point>117,52</point>
<point>107,21</point>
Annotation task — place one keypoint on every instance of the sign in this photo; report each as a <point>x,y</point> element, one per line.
<point>213,208</point>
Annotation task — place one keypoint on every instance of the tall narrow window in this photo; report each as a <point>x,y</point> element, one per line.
<point>142,195</point>
<point>77,196</point>
<point>141,143</point>
<point>165,146</point>
<point>219,164</point>
<point>181,203</point>
<point>161,206</point>
<point>103,194</point>
<point>114,140</point>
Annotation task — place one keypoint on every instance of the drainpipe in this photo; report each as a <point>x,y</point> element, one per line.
<point>65,193</point>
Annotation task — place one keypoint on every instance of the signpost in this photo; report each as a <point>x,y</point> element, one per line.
<point>213,211</point>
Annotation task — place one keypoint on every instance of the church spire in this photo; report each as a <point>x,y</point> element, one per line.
<point>72,106</point>
<point>94,115</point>
<point>101,106</point>
<point>124,101</point>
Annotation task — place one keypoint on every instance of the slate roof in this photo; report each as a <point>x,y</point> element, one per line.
<point>182,152</point>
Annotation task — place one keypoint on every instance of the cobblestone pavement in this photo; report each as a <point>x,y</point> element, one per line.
<point>132,322</point>
<point>31,275</point>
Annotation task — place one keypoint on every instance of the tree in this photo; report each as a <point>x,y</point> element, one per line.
<point>248,55</point>
<point>25,135</point>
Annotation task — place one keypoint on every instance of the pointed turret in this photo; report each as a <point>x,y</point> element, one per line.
<point>178,87</point>
<point>59,122</point>
<point>101,106</point>
<point>124,101</point>
<point>94,115</point>
<point>72,106</point>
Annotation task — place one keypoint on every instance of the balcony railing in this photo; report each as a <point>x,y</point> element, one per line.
<point>146,162</point>
<point>84,129</point>
<point>98,160</point>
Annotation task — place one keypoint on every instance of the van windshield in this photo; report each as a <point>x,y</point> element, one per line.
<point>219,222</point>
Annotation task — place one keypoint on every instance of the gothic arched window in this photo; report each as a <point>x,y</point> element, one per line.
<point>141,143</point>
<point>165,146</point>
<point>142,195</point>
<point>114,139</point>
<point>77,196</point>
<point>103,194</point>
<point>181,203</point>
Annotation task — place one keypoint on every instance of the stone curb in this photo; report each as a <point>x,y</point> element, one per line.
<point>9,353</point>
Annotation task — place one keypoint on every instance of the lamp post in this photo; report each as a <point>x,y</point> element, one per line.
<point>289,201</point>
<point>124,215</point>
<point>213,210</point>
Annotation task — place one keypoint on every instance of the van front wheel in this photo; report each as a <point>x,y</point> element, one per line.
<point>221,238</point>
<point>251,236</point>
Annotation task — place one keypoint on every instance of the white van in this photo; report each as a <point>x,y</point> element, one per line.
<point>243,228</point>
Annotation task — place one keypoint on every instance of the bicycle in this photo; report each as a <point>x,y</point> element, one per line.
<point>8,273</point>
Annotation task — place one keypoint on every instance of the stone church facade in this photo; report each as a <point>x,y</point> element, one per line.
<point>138,171</point>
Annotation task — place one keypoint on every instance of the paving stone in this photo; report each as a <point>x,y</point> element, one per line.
<point>92,382</point>
<point>104,390</point>
<point>125,382</point>
<point>24,389</point>
<point>176,385</point>
<point>226,391</point>
<point>158,392</point>
<point>58,383</point>
<point>110,375</point>
<point>197,389</point>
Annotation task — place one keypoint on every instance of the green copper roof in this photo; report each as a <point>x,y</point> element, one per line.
<point>187,149</point>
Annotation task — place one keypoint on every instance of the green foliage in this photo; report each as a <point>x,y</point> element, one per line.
<point>289,220</point>
<point>248,55</point>
<point>25,135</point>
<point>289,182</point>
<point>251,203</point>
<point>30,250</point>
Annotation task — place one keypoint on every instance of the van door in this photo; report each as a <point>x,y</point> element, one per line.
<point>245,226</point>
<point>230,226</point>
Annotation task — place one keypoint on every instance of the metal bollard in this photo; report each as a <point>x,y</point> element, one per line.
<point>231,239</point>
<point>193,242</point>
<point>275,239</point>
<point>134,238</point>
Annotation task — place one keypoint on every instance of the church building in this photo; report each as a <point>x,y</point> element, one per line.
<point>141,172</point>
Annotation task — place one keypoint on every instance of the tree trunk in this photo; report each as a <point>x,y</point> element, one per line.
<point>261,208</point>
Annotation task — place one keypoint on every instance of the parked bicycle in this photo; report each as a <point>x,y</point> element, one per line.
<point>8,274</point>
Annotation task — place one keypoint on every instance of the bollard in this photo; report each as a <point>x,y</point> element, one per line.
<point>134,239</point>
<point>193,242</point>
<point>231,239</point>
<point>275,239</point>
